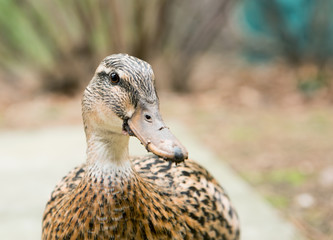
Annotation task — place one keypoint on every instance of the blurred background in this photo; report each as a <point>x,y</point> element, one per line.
<point>252,79</point>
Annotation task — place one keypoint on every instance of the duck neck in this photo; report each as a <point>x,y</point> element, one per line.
<point>107,155</point>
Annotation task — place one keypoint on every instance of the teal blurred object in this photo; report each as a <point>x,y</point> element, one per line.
<point>298,30</point>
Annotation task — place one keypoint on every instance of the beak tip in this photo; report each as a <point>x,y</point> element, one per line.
<point>180,154</point>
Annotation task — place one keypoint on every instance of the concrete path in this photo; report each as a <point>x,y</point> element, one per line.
<point>32,162</point>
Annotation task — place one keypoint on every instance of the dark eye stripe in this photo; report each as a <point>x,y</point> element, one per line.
<point>103,75</point>
<point>130,90</point>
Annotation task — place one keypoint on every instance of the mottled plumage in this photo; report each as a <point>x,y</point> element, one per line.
<point>115,197</point>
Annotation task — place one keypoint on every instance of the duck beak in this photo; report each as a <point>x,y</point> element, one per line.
<point>147,125</point>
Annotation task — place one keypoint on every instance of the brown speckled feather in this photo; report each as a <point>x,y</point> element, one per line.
<point>161,201</point>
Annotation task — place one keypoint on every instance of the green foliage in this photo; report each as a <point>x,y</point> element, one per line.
<point>286,176</point>
<point>20,41</point>
<point>311,85</point>
<point>278,201</point>
<point>64,40</point>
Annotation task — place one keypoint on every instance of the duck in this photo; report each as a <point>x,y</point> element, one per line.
<point>115,196</point>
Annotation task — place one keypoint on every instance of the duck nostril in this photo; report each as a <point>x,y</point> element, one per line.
<point>148,117</point>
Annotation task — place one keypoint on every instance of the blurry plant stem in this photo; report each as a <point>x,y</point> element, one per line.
<point>117,33</point>
<point>201,39</point>
<point>74,35</point>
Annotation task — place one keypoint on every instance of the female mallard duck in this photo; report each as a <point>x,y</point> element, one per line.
<point>115,197</point>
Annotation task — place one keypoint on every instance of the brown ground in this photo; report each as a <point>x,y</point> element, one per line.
<point>273,136</point>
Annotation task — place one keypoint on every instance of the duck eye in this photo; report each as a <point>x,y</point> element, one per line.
<point>114,77</point>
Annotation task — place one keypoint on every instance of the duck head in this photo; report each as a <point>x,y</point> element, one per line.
<point>121,100</point>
